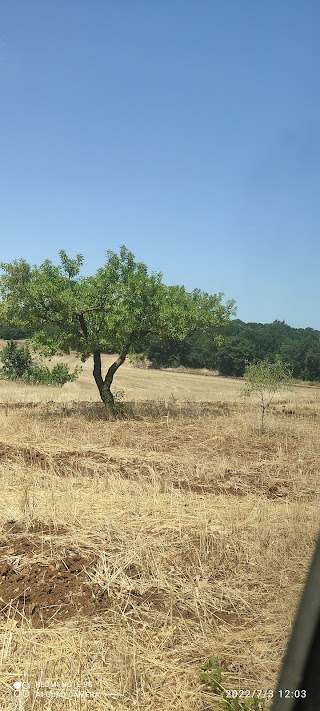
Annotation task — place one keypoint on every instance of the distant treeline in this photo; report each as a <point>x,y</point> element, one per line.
<point>244,343</point>
<point>8,333</point>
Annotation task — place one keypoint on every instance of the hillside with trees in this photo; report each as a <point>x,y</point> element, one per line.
<point>243,343</point>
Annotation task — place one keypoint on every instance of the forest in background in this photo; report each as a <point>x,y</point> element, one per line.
<point>243,343</point>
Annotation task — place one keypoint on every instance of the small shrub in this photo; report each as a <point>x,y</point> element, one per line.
<point>38,375</point>
<point>16,361</point>
<point>19,365</point>
<point>59,375</point>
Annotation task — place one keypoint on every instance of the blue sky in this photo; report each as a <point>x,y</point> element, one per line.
<point>187,130</point>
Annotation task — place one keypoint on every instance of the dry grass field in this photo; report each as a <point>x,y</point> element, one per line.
<point>133,550</point>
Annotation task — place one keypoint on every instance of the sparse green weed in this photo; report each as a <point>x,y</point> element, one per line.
<point>212,674</point>
<point>237,704</point>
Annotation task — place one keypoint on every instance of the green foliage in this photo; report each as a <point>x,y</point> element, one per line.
<point>71,266</point>
<point>242,343</point>
<point>122,304</point>
<point>299,348</point>
<point>234,356</point>
<point>312,363</point>
<point>166,351</point>
<point>198,349</point>
<point>119,308</point>
<point>57,376</point>
<point>8,333</point>
<point>137,358</point>
<point>212,675</point>
<point>264,379</point>
<point>17,363</point>
<point>267,377</point>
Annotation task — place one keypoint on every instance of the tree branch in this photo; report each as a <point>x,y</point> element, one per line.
<point>92,308</point>
<point>122,356</point>
<point>46,315</point>
<point>83,324</point>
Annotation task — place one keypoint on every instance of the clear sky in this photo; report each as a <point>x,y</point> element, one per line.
<point>188,130</point>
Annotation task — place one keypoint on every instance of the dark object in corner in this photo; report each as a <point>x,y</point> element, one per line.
<point>301,665</point>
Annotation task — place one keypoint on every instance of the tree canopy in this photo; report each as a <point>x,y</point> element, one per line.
<point>119,308</point>
<point>244,343</point>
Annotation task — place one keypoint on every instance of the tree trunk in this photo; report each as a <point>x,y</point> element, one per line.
<point>104,386</point>
<point>97,373</point>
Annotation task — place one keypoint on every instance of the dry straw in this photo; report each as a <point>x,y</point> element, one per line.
<point>192,535</point>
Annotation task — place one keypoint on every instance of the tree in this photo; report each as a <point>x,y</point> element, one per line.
<point>165,352</point>
<point>264,379</point>
<point>114,310</point>
<point>197,350</point>
<point>234,355</point>
<point>200,349</point>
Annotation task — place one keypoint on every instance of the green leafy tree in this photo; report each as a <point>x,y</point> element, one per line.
<point>290,352</point>
<point>197,350</point>
<point>234,355</point>
<point>118,309</point>
<point>264,379</point>
<point>165,352</point>
<point>200,349</point>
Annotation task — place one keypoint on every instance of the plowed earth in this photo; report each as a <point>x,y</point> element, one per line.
<point>92,464</point>
<point>43,593</point>
<point>64,463</point>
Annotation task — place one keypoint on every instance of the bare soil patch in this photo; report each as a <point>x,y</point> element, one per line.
<point>41,593</point>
